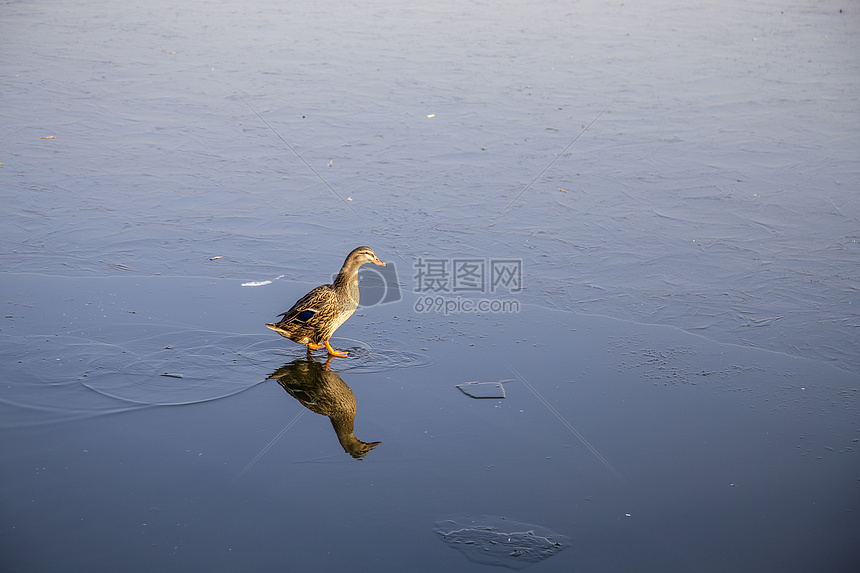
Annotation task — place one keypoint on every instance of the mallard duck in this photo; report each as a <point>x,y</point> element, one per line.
<point>315,316</point>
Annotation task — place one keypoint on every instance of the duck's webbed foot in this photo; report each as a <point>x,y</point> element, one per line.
<point>333,352</point>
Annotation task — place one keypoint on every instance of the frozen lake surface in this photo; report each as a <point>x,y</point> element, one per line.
<point>677,184</point>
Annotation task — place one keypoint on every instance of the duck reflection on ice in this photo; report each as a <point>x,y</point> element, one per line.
<point>323,391</point>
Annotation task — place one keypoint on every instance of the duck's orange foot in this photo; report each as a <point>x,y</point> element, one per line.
<point>333,352</point>
<point>315,346</point>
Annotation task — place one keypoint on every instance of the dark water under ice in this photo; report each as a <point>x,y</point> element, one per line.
<point>676,185</point>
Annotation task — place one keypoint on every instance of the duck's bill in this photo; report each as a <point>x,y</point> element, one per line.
<point>378,262</point>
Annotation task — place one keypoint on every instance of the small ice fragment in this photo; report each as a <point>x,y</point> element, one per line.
<point>431,116</point>
<point>482,389</point>
<point>262,283</point>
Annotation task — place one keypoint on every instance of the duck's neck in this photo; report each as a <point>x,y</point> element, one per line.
<point>346,280</point>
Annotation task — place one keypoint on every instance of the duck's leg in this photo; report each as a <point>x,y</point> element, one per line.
<point>315,346</point>
<point>334,352</point>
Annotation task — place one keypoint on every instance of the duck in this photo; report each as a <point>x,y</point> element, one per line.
<point>313,318</point>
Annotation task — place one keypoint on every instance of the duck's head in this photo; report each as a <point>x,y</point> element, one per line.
<point>360,256</point>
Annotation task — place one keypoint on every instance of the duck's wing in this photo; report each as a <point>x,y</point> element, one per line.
<point>307,306</point>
